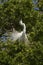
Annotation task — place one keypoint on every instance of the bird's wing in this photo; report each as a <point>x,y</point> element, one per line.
<point>15,35</point>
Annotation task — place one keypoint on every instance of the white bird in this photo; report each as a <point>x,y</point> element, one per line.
<point>21,36</point>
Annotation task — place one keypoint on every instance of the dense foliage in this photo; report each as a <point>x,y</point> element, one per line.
<point>21,54</point>
<point>40,4</point>
<point>18,53</point>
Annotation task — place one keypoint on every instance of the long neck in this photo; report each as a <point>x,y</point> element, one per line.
<point>24,29</point>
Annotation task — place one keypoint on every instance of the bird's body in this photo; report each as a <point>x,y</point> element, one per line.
<point>16,35</point>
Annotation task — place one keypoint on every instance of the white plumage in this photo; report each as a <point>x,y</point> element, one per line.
<point>21,36</point>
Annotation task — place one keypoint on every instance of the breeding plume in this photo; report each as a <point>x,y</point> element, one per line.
<point>21,36</point>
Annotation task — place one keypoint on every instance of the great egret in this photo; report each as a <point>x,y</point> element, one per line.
<point>21,36</point>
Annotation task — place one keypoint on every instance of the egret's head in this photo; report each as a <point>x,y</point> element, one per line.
<point>20,22</point>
